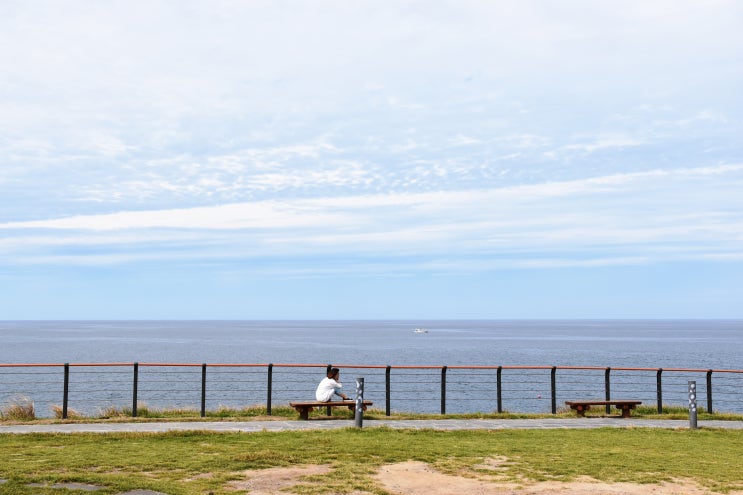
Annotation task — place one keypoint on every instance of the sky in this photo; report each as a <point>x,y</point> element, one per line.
<point>371,160</point>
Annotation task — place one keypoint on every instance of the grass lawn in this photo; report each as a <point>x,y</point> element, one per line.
<point>203,462</point>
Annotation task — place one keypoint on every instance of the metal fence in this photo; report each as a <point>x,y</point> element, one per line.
<point>90,389</point>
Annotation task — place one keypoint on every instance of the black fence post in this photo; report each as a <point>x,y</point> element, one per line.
<point>328,410</point>
<point>134,390</point>
<point>607,388</point>
<point>387,390</point>
<point>498,389</point>
<point>709,391</point>
<point>203,390</point>
<point>659,389</point>
<point>443,390</point>
<point>269,389</point>
<point>66,391</point>
<point>553,388</point>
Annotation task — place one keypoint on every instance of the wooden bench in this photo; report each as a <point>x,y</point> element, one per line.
<point>581,406</point>
<point>304,408</point>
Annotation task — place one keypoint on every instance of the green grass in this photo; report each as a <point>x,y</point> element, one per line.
<point>175,463</point>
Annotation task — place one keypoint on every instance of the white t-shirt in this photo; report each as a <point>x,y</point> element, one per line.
<point>326,389</point>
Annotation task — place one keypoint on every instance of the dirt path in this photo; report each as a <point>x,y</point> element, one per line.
<point>418,478</point>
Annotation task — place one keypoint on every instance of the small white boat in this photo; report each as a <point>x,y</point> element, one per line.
<point>420,330</point>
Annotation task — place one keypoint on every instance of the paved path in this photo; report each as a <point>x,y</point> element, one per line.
<point>437,424</point>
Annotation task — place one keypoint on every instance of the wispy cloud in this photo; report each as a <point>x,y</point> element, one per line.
<point>612,219</point>
<point>604,142</point>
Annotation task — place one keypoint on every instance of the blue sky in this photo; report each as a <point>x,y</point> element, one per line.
<point>421,160</point>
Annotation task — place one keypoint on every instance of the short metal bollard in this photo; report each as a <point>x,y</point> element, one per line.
<point>693,405</point>
<point>359,416</point>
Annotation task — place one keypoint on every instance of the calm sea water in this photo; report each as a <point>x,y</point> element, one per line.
<point>716,344</point>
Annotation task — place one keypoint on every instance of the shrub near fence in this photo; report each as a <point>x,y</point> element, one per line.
<point>92,388</point>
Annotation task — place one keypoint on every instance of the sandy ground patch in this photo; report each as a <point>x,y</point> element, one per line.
<point>202,476</point>
<point>418,478</point>
<point>273,480</point>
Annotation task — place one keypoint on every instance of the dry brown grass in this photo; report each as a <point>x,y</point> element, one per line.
<point>18,408</point>
<point>71,413</point>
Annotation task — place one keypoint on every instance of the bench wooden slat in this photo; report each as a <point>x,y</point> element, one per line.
<point>304,408</point>
<point>581,406</point>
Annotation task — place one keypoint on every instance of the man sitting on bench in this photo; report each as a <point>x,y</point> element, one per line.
<point>329,386</point>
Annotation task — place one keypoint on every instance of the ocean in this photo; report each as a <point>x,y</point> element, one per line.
<point>716,344</point>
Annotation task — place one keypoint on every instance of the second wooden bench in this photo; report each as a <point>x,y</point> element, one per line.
<point>581,406</point>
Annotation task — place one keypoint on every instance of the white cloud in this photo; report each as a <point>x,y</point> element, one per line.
<point>624,218</point>
<point>238,216</point>
<point>604,142</point>
<point>462,140</point>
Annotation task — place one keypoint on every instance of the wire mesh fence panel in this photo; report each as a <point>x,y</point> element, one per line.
<point>93,390</point>
<point>374,384</point>
<point>579,384</point>
<point>40,387</point>
<point>415,389</point>
<point>634,385</point>
<point>727,392</point>
<point>236,387</point>
<point>169,387</point>
<point>526,390</point>
<point>675,388</point>
<point>471,390</point>
<point>295,384</point>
